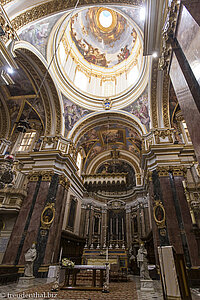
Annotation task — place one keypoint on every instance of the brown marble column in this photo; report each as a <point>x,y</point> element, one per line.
<point>32,231</point>
<point>156,241</point>
<point>188,94</point>
<point>54,237</point>
<point>178,177</point>
<point>24,225</point>
<point>177,214</point>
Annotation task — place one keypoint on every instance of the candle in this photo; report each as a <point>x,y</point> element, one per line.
<point>184,184</point>
<point>61,250</point>
<point>111,226</point>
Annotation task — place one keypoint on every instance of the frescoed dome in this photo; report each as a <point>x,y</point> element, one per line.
<point>100,56</point>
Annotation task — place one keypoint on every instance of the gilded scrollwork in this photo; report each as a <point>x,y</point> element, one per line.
<point>55,6</point>
<point>154,112</point>
<point>64,181</point>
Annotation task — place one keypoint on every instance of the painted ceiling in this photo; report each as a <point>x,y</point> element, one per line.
<point>109,137</point>
<point>103,36</point>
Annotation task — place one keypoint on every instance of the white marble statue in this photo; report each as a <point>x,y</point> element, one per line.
<point>142,262</point>
<point>30,257</point>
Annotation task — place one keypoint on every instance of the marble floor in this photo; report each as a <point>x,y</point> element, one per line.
<point>118,291</point>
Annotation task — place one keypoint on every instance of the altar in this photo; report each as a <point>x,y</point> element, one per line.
<point>71,273</point>
<point>117,257</point>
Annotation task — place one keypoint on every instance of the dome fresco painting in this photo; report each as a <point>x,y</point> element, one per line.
<point>103,46</point>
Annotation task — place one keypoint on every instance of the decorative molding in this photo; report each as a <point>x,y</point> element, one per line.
<point>47,216</point>
<point>154,110</point>
<point>163,171</point>
<point>168,31</point>
<point>54,6</point>
<point>46,175</point>
<point>64,182</point>
<point>165,100</point>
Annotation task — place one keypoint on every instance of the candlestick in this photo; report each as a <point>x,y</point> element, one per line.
<point>107,254</point>
<point>61,250</point>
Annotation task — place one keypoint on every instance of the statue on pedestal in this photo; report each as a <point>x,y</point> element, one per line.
<point>142,262</point>
<point>30,257</point>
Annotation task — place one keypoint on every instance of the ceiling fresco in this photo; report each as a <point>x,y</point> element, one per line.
<point>140,109</point>
<point>22,102</point>
<point>109,137</point>
<point>102,46</point>
<point>72,113</point>
<point>38,33</point>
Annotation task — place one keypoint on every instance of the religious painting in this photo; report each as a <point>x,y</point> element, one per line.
<point>97,44</point>
<point>124,54</point>
<point>48,215</point>
<point>159,213</point>
<point>133,13</point>
<point>95,151</point>
<point>112,136</point>
<point>140,109</point>
<point>72,113</point>
<point>38,34</point>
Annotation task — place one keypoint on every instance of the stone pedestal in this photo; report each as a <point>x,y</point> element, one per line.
<point>25,282</point>
<point>146,285</point>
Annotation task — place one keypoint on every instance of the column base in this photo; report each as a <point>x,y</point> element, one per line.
<point>146,285</point>
<point>25,281</point>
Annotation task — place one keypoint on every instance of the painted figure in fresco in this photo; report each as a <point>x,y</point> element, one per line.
<point>30,257</point>
<point>142,262</point>
<point>124,54</point>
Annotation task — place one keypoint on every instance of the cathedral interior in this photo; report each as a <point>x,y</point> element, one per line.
<point>99,138</point>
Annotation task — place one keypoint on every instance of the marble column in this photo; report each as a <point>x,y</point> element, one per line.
<point>178,221</point>
<point>28,221</point>
<point>188,94</point>
<point>54,236</point>
<point>178,178</point>
<point>155,232</point>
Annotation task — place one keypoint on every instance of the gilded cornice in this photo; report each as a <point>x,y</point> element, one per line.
<point>46,175</point>
<point>4,120</point>
<point>165,101</point>
<point>163,171</point>
<point>154,110</point>
<point>55,6</point>
<point>4,2</point>
<point>64,181</point>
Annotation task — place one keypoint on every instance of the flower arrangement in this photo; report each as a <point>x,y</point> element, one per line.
<point>67,263</point>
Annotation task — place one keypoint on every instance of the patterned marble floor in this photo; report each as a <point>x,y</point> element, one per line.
<point>118,291</point>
